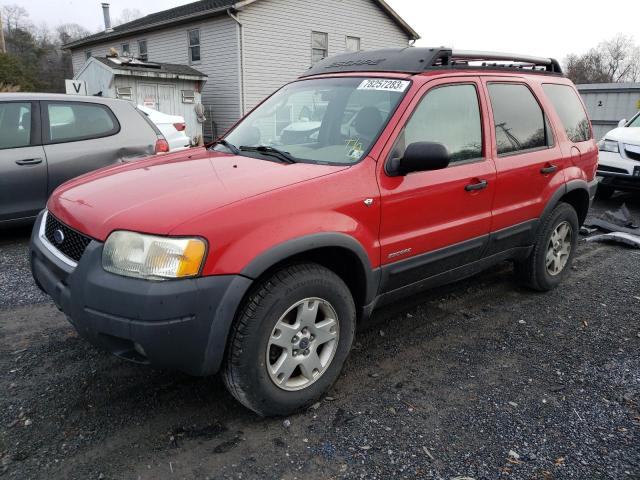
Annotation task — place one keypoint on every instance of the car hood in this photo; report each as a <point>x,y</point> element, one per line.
<point>625,135</point>
<point>155,195</point>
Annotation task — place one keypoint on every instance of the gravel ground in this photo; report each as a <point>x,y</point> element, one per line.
<point>479,379</point>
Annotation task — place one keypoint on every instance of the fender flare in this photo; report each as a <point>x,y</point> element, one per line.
<point>570,186</point>
<point>263,262</point>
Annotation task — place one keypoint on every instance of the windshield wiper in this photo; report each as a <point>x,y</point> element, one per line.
<point>266,150</point>
<point>230,146</point>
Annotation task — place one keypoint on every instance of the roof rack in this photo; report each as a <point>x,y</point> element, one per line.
<point>418,60</point>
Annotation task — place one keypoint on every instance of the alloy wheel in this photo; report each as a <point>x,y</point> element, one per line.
<point>559,248</point>
<point>302,344</point>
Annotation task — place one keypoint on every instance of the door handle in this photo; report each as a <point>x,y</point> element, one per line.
<point>548,169</point>
<point>29,161</point>
<point>481,185</point>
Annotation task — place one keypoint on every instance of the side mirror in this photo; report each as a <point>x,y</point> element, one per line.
<point>420,157</point>
<point>622,122</point>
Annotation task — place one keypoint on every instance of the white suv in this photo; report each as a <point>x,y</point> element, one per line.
<point>619,161</point>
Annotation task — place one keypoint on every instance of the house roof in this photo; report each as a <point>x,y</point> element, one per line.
<point>199,10</point>
<point>144,68</point>
<point>586,87</point>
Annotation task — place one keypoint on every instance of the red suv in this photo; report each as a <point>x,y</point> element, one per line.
<point>373,176</point>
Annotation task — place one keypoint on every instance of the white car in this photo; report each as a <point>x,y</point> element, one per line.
<point>619,159</point>
<point>172,127</point>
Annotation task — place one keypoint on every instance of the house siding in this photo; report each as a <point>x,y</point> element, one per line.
<point>277,37</point>
<point>219,46</point>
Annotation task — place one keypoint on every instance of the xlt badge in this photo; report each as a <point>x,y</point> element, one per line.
<point>399,253</point>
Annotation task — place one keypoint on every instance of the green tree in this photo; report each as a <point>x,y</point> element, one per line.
<point>14,74</point>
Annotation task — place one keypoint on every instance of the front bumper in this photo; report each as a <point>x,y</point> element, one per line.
<point>178,324</point>
<point>618,171</point>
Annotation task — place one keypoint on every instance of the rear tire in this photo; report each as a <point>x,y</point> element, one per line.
<point>284,351</point>
<point>553,251</point>
<point>604,192</point>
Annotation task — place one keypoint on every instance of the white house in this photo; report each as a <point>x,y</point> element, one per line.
<point>248,48</point>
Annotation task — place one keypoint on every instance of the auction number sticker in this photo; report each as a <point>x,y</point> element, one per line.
<point>384,84</point>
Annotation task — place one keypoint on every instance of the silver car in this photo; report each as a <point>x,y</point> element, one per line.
<point>47,139</point>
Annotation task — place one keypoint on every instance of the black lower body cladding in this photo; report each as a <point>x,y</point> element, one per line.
<point>179,324</point>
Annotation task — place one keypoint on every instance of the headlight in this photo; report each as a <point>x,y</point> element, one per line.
<point>605,145</point>
<point>150,257</point>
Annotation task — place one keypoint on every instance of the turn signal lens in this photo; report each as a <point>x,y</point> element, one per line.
<point>605,145</point>
<point>154,258</point>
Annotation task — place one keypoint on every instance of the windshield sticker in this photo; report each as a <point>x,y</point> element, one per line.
<point>355,148</point>
<point>384,84</point>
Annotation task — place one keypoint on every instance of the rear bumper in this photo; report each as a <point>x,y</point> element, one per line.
<point>181,324</point>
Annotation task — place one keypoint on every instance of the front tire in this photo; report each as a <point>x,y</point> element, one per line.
<point>290,340</point>
<point>553,251</point>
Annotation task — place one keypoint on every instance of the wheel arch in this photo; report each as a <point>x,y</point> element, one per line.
<point>576,194</point>
<point>338,252</point>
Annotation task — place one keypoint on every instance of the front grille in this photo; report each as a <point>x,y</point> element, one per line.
<point>632,155</point>
<point>73,244</point>
<point>606,168</point>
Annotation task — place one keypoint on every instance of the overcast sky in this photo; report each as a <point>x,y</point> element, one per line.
<point>541,27</point>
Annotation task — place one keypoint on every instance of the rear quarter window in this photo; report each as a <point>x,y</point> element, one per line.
<point>570,110</point>
<point>74,121</point>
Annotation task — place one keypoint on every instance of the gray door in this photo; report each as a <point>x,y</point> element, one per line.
<point>148,95</point>
<point>167,99</point>
<point>23,165</point>
<point>80,137</point>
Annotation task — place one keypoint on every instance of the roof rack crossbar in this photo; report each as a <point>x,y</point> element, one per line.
<point>550,64</point>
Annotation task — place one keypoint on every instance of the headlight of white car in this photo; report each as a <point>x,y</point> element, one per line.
<point>154,258</point>
<point>605,145</point>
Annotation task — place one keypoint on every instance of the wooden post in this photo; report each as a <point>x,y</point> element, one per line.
<point>3,48</point>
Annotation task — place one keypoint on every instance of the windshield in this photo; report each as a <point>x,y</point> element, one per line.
<point>635,121</point>
<point>329,120</point>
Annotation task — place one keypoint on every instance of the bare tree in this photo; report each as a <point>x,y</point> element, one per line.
<point>612,61</point>
<point>68,32</point>
<point>128,15</point>
<point>15,17</point>
<point>620,54</point>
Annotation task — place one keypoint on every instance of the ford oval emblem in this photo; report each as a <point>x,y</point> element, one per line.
<point>58,236</point>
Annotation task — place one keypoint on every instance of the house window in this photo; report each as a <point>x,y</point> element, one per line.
<point>125,93</point>
<point>88,54</point>
<point>194,45</point>
<point>353,44</point>
<point>319,46</point>
<point>125,50</point>
<point>188,96</point>
<point>142,50</point>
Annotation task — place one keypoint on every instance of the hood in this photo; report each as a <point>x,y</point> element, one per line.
<point>625,135</point>
<point>157,194</point>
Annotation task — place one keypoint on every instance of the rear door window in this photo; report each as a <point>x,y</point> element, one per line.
<point>73,121</point>
<point>519,120</point>
<point>15,125</point>
<point>570,110</point>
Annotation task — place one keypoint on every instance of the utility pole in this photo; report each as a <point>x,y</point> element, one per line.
<point>3,48</point>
